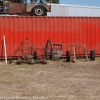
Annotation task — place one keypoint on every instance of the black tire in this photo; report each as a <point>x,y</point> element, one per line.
<point>92,55</point>
<point>68,56</point>
<point>39,11</point>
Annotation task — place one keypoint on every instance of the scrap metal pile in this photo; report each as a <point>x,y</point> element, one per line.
<point>27,53</point>
<point>75,47</point>
<point>53,50</point>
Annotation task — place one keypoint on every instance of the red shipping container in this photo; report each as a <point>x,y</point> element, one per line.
<point>65,30</point>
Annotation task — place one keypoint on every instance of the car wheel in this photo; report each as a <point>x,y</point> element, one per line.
<point>39,11</point>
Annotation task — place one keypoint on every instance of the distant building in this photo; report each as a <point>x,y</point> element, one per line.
<point>74,10</point>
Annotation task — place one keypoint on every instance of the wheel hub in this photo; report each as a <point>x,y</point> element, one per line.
<point>39,11</point>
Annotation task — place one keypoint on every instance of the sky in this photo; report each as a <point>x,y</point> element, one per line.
<point>82,2</point>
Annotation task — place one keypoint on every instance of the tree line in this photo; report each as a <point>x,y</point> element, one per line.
<point>52,1</point>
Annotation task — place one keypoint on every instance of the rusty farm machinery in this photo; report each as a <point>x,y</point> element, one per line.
<point>29,54</point>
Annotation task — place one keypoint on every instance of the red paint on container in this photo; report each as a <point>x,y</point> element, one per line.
<point>65,30</point>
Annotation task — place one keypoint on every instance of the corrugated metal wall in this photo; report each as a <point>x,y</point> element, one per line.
<point>73,10</point>
<point>65,30</point>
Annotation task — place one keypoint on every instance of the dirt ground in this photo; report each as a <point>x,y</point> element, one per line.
<point>54,81</point>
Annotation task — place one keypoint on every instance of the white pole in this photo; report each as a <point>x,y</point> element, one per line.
<point>5,49</point>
